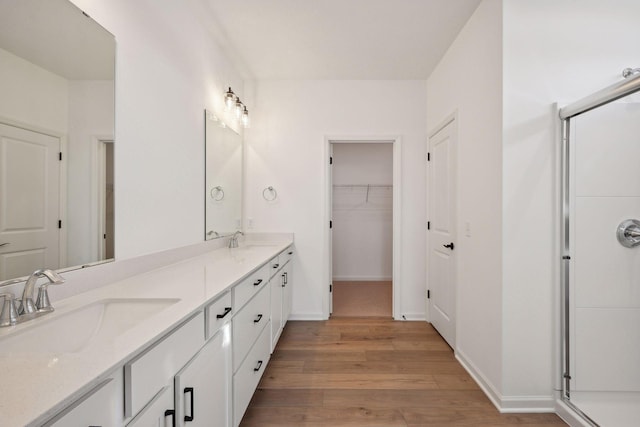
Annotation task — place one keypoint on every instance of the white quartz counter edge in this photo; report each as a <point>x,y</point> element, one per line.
<point>35,386</point>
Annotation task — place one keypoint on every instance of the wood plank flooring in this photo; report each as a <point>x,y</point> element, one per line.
<point>362,299</point>
<point>372,372</point>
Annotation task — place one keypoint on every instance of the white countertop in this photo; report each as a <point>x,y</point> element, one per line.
<point>35,386</point>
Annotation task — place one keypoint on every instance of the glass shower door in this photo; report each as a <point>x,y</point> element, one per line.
<point>602,365</point>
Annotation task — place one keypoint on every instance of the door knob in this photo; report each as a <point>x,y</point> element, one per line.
<point>450,246</point>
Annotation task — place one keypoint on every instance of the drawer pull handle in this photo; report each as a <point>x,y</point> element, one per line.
<point>276,265</point>
<point>189,418</point>
<point>257,282</point>
<point>173,416</point>
<point>284,280</point>
<point>257,368</point>
<point>227,310</point>
<point>259,318</point>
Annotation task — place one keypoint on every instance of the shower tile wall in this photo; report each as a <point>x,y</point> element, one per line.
<point>606,287</point>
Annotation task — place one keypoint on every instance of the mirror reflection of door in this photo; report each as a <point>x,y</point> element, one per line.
<point>29,201</point>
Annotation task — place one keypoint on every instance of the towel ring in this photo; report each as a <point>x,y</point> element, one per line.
<point>218,195</point>
<point>272,191</point>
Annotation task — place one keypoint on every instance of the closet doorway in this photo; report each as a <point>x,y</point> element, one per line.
<point>361,236</point>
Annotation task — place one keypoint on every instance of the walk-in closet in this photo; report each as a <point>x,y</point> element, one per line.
<point>362,229</point>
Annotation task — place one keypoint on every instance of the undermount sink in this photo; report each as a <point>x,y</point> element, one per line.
<point>72,332</point>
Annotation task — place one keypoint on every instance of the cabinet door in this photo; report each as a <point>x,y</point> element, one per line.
<point>203,386</point>
<point>276,309</point>
<point>158,413</point>
<point>287,293</point>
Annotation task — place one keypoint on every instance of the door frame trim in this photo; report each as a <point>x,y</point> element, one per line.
<point>451,118</point>
<point>396,141</point>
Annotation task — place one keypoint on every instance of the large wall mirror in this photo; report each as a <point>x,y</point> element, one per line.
<point>57,70</point>
<point>223,186</point>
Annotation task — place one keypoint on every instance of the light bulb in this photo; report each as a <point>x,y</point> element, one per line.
<point>245,118</point>
<point>229,100</point>
<point>239,108</point>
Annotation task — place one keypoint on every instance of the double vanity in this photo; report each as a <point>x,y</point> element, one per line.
<point>185,344</point>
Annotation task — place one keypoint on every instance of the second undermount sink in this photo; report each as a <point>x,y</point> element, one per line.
<point>72,332</point>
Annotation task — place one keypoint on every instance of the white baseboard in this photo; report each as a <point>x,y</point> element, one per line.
<point>507,404</point>
<point>484,384</point>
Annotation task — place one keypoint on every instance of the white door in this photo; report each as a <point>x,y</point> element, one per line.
<point>442,238</point>
<point>29,201</point>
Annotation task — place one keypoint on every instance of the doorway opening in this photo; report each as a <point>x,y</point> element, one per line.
<point>363,205</point>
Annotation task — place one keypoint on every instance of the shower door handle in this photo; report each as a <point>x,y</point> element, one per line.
<point>450,246</point>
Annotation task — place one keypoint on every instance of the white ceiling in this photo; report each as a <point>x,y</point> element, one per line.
<point>338,39</point>
<point>57,36</point>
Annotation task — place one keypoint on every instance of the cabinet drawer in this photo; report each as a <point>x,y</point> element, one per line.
<point>218,313</point>
<point>286,255</point>
<point>248,324</point>
<point>148,373</point>
<point>243,292</point>
<point>102,406</point>
<point>248,375</point>
<point>274,265</point>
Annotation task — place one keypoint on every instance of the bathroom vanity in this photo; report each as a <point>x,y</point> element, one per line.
<point>185,343</point>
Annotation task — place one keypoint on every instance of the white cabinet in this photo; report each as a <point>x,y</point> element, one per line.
<point>276,310</point>
<point>152,370</point>
<point>101,406</point>
<point>205,371</point>
<point>159,412</point>
<point>287,293</point>
<point>248,376</point>
<point>281,296</point>
<point>203,387</point>
<point>248,324</point>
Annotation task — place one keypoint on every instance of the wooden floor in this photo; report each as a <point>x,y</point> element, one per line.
<point>372,372</point>
<point>362,299</point>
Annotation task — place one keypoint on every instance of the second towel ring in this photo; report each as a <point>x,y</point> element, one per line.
<point>273,194</point>
<point>218,195</point>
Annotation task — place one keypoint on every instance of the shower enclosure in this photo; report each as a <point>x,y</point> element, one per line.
<point>601,255</point>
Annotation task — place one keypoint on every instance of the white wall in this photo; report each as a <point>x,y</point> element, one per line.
<point>91,116</point>
<point>468,81</point>
<point>286,149</point>
<point>362,217</point>
<point>21,83</point>
<point>579,47</point>
<point>168,70</point>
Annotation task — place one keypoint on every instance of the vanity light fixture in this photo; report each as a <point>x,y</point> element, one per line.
<point>245,118</point>
<point>229,99</point>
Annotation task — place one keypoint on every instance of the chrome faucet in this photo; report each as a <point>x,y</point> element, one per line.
<point>42,304</point>
<point>233,241</point>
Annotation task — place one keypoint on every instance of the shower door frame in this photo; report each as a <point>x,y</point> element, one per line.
<point>605,96</point>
